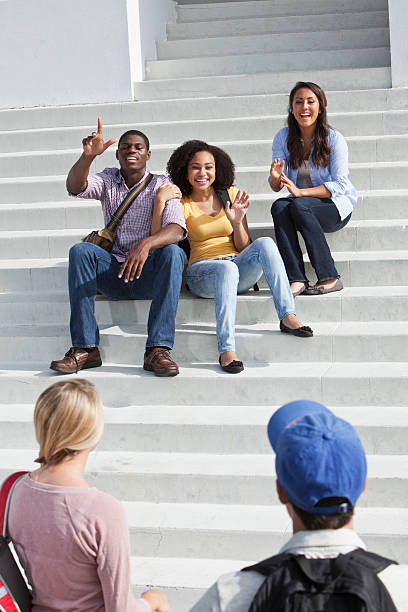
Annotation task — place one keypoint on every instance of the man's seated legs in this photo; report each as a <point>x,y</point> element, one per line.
<point>92,268</point>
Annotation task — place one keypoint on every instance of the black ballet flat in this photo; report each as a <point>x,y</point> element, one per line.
<point>235,367</point>
<point>302,332</point>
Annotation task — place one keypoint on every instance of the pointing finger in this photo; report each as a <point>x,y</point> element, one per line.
<point>99,125</point>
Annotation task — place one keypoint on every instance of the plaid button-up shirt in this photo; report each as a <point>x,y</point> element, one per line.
<point>110,188</point>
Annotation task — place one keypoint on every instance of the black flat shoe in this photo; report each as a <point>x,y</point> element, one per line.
<point>235,367</point>
<point>303,332</point>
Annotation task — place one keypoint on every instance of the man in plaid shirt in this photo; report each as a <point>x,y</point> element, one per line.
<point>142,264</point>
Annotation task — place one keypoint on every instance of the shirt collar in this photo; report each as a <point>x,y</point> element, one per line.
<point>118,178</point>
<point>323,542</point>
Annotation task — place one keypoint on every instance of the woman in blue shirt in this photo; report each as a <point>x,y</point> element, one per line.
<point>310,159</point>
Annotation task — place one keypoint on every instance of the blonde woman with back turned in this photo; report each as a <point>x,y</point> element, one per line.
<point>72,540</point>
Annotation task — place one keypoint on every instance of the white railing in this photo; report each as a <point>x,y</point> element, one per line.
<point>398,12</point>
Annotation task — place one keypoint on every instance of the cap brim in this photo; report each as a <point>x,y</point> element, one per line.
<point>288,413</point>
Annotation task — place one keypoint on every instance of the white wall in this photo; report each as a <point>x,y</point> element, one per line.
<point>398,11</point>
<point>60,52</point>
<point>76,51</point>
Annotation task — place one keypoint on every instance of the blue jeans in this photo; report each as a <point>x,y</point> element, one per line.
<point>223,278</point>
<point>92,268</point>
<point>312,217</point>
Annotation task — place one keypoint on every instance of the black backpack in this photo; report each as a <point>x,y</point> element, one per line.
<point>184,244</point>
<point>347,583</point>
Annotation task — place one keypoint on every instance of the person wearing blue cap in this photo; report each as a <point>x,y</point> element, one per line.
<point>321,471</point>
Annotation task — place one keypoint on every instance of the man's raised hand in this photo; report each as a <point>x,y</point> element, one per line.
<point>94,144</point>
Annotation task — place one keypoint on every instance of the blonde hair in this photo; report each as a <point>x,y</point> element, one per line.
<point>68,418</point>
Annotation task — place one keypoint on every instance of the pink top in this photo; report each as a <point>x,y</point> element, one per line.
<point>73,544</point>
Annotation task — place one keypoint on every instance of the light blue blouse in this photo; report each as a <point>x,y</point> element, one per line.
<point>334,177</point>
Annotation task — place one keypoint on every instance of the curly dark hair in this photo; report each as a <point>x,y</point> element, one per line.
<point>321,149</point>
<point>181,157</point>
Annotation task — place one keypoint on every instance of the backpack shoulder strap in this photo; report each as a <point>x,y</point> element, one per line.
<point>222,195</point>
<point>5,496</point>
<point>268,566</point>
<point>370,560</point>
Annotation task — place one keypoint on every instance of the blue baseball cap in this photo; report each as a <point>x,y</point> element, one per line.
<point>318,455</point>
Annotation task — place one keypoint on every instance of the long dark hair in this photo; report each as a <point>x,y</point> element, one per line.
<point>321,149</point>
<point>180,158</point>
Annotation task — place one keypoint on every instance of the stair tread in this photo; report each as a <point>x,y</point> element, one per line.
<point>248,416</point>
<point>208,464</point>
<point>321,328</point>
<point>253,518</point>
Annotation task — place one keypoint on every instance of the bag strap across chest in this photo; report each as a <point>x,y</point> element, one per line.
<point>126,203</point>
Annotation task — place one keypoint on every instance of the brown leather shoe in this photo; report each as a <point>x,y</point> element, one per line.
<point>157,359</point>
<point>77,359</point>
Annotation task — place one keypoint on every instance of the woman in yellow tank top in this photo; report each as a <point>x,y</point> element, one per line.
<point>223,262</point>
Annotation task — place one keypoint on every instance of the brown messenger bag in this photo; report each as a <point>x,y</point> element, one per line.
<point>106,236</point>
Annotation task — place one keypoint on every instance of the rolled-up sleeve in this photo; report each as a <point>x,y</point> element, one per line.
<point>94,189</point>
<point>279,146</point>
<point>173,213</point>
<point>339,171</point>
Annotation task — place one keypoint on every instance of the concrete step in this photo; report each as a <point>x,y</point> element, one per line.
<point>261,83</point>
<point>350,124</point>
<point>209,429</point>
<point>71,214</point>
<point>352,304</point>
<point>360,235</point>
<point>209,478</point>
<point>68,214</point>
<point>34,188</point>
<point>271,63</point>
<point>165,111</point>
<point>364,176</point>
<point>356,236</point>
<point>252,25</point>
<point>361,149</point>
<point>227,532</point>
<point>296,41</point>
<point>256,343</point>
<point>369,134</point>
<point>251,152</point>
<point>337,384</point>
<point>370,205</point>
<point>266,8</point>
<point>366,268</point>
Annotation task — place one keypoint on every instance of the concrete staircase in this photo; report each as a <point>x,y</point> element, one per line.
<point>188,456</point>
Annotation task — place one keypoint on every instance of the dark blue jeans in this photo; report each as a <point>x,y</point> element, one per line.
<point>92,268</point>
<point>312,217</point>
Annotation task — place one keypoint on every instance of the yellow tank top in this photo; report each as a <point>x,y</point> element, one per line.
<point>209,237</point>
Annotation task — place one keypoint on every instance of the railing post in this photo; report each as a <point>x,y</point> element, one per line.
<point>398,14</point>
